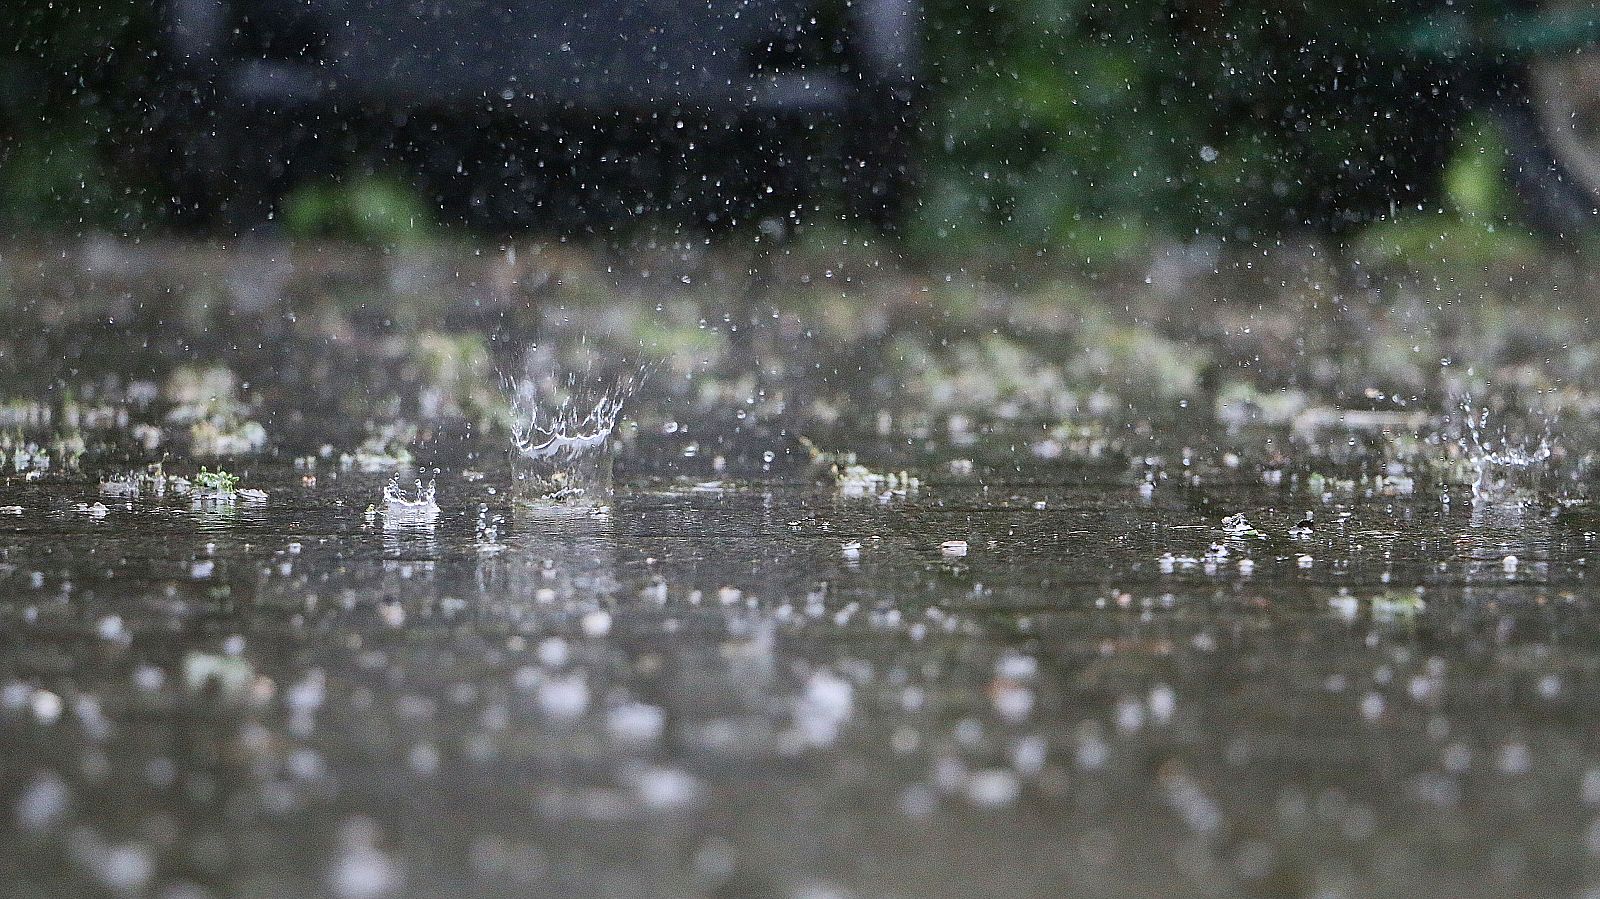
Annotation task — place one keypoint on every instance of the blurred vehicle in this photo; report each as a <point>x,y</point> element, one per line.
<point>1536,67</point>
<point>1553,127</point>
<point>552,113</point>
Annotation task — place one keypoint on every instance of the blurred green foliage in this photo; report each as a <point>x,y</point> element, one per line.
<point>72,73</point>
<point>1473,226</point>
<point>1091,127</point>
<point>369,208</point>
<point>1097,125</point>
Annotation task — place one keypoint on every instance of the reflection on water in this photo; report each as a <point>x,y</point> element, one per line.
<point>1266,647</point>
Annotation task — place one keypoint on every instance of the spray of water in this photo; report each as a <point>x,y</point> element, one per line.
<point>562,421</point>
<point>1504,463</point>
<point>566,431</point>
<point>399,509</point>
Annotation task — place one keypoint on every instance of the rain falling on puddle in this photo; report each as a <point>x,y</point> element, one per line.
<point>929,583</point>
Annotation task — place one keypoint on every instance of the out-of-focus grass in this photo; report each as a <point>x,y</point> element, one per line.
<point>1478,223</point>
<point>373,209</point>
<point>1087,130</point>
<point>57,180</point>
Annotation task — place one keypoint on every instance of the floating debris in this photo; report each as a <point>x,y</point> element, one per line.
<point>858,480</point>
<point>215,486</point>
<point>385,448</point>
<point>1397,604</point>
<point>1239,526</point>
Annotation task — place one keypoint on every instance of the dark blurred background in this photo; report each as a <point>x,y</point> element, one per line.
<point>1094,128</point>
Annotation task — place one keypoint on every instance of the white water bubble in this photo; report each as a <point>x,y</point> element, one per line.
<point>992,788</point>
<point>42,803</point>
<point>553,652</point>
<point>364,872</point>
<point>636,722</point>
<point>597,623</point>
<point>45,705</point>
<point>563,698</point>
<point>664,789</point>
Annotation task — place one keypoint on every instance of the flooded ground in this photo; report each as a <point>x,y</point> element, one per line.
<point>1251,574</point>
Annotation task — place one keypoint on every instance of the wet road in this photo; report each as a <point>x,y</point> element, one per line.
<point>763,672</point>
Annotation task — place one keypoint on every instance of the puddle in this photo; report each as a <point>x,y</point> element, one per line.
<point>857,622</point>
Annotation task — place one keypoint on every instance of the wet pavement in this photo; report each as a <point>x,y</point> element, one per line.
<point>908,584</point>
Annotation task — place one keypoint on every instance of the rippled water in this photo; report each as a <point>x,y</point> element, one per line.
<point>769,672</point>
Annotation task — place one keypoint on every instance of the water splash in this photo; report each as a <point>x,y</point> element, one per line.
<point>567,431</point>
<point>1505,465</point>
<point>399,509</point>
<point>561,429</point>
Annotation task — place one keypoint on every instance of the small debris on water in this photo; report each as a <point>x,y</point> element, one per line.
<point>1238,526</point>
<point>217,486</point>
<point>858,480</point>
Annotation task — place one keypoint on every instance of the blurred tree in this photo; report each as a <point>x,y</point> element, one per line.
<point>1090,125</point>
<point>72,75</point>
<point>1093,124</point>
